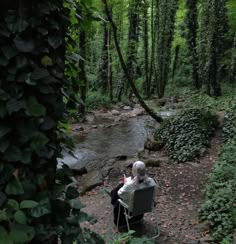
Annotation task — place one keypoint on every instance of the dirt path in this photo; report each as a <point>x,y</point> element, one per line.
<point>178,201</point>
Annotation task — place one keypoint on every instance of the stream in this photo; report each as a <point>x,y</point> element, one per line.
<point>122,139</point>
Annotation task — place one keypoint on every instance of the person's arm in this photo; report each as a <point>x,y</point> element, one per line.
<point>124,192</point>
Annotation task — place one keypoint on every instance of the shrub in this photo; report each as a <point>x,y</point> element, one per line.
<point>220,204</point>
<point>187,134</point>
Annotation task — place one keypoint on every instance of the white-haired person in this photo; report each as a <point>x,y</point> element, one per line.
<point>124,190</point>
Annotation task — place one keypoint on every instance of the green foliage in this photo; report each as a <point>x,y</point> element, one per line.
<point>35,204</point>
<point>97,99</point>
<point>219,207</point>
<point>127,238</point>
<point>186,135</point>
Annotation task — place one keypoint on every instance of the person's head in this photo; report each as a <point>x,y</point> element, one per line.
<point>139,170</point>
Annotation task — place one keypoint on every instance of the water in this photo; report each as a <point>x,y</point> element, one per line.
<point>126,138</point>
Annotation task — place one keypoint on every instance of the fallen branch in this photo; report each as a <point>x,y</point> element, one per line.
<point>125,69</point>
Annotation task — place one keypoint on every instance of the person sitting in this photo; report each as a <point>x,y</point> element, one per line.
<point>123,190</point>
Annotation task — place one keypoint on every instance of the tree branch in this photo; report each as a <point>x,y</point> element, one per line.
<point>125,69</point>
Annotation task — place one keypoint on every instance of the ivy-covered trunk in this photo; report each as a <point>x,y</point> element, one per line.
<point>165,23</point>
<point>191,36</point>
<point>32,52</point>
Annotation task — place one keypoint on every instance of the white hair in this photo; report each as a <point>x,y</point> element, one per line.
<point>139,171</point>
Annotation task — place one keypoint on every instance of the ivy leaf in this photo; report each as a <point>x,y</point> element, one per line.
<point>71,192</point>
<point>13,154</point>
<point>20,217</point>
<point>22,233</point>
<point>55,41</point>
<point>4,237</point>
<point>3,110</point>
<point>28,204</point>
<point>3,95</point>
<point>26,156</point>
<point>76,204</point>
<point>22,45</point>
<point>9,51</point>
<point>40,73</point>
<point>3,199</point>
<point>13,204</point>
<point>4,130</point>
<point>39,140</point>
<point>40,210</point>
<point>14,105</point>
<point>6,174</point>
<point>35,108</point>
<point>3,61</point>
<point>14,187</point>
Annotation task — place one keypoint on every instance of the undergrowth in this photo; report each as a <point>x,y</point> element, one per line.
<point>220,205</point>
<point>187,134</point>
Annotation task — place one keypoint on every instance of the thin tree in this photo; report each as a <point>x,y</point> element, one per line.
<point>128,75</point>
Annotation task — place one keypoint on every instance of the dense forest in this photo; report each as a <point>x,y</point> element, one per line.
<point>61,60</point>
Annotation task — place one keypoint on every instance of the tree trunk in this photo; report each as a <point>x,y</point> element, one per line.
<point>128,75</point>
<point>82,72</point>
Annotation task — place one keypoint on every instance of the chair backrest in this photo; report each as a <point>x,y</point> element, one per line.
<point>142,201</point>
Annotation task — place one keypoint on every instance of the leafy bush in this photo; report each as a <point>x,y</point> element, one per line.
<point>220,205</point>
<point>229,130</point>
<point>96,99</point>
<point>187,134</point>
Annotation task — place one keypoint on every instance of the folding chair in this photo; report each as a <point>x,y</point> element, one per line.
<point>141,201</point>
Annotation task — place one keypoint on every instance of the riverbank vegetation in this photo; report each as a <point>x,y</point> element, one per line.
<point>59,59</point>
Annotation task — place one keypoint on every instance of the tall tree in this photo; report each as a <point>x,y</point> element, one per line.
<point>233,63</point>
<point>165,23</point>
<point>191,36</point>
<point>213,43</point>
<point>133,36</point>
<point>147,84</point>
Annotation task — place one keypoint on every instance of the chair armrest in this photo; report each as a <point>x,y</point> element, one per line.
<point>123,203</point>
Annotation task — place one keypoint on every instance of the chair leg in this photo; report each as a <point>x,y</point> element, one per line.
<point>118,219</point>
<point>158,228</point>
<point>127,220</point>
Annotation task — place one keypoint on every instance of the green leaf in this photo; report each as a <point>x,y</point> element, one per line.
<point>4,215</point>
<point>9,51</point>
<point>40,211</point>
<point>35,108</point>
<point>28,204</point>
<point>6,174</point>
<point>76,204</point>
<point>4,130</point>
<point>22,233</point>
<point>4,237</point>
<point>71,192</point>
<point>13,204</point>
<point>20,217</point>
<point>3,95</point>
<point>3,110</point>
<point>55,41</point>
<point>13,154</point>
<point>39,73</point>
<point>3,199</point>
<point>26,156</point>
<point>4,145</point>
<point>22,45</point>
<point>14,187</point>
<point>39,140</point>
<point>14,105</point>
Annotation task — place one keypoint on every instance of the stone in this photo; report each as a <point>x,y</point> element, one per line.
<point>152,162</point>
<point>153,145</point>
<point>205,240</point>
<point>127,108</point>
<point>90,181</point>
<point>115,112</point>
